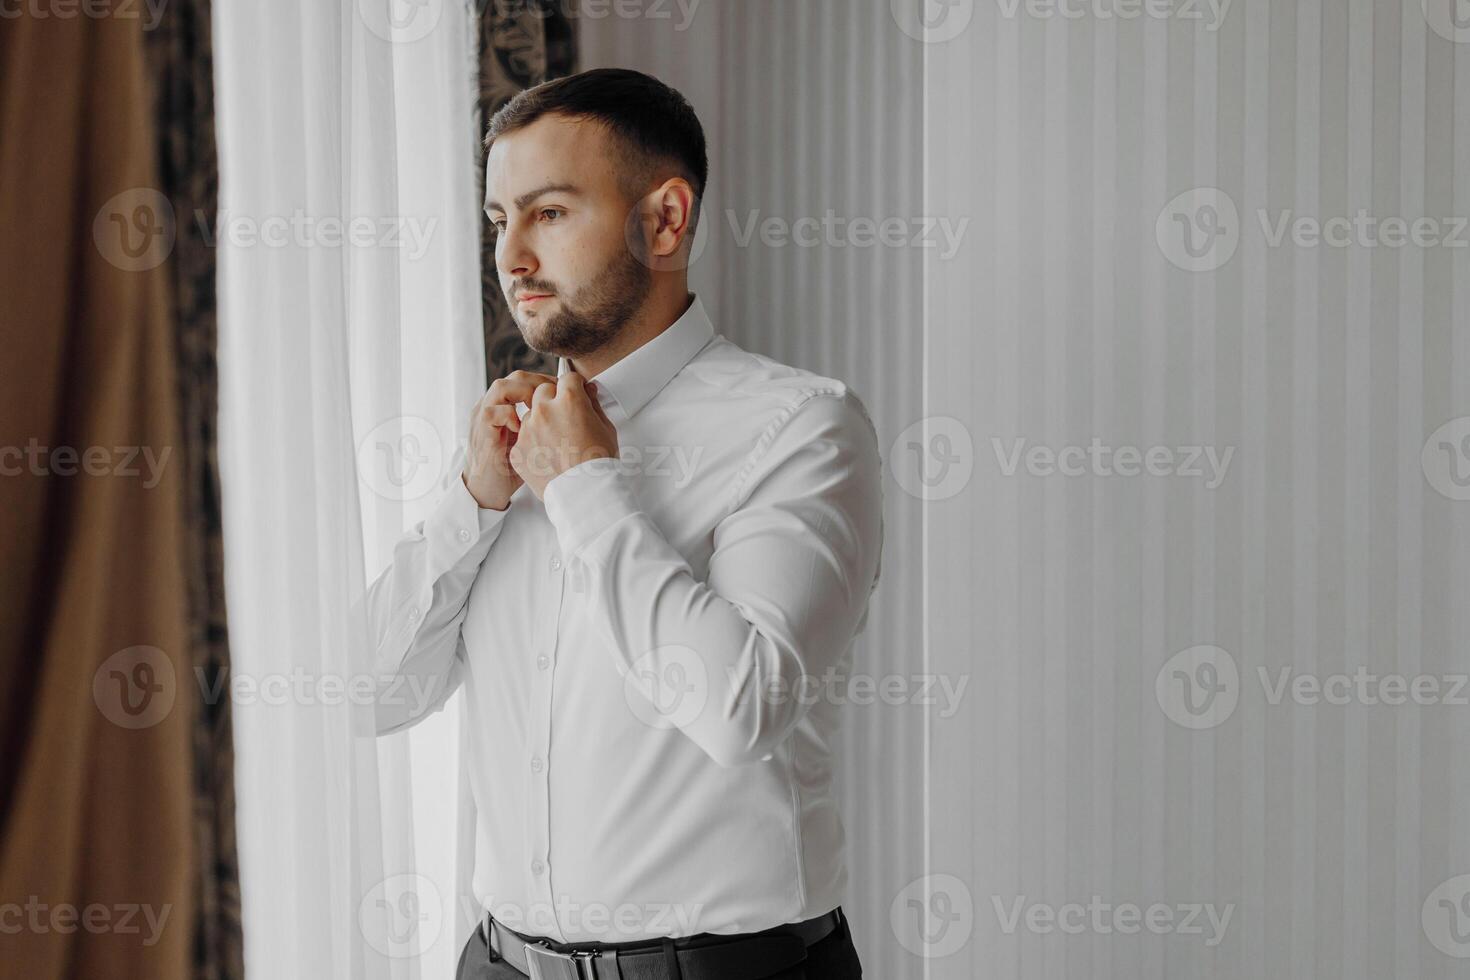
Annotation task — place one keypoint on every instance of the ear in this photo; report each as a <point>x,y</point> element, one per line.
<point>670,206</point>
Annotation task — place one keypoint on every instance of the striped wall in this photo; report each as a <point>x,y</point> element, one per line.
<point>1129,740</point>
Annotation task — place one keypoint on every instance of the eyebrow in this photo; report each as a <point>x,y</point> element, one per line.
<point>530,196</point>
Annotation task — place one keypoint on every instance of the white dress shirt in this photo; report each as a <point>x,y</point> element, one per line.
<point>652,658</point>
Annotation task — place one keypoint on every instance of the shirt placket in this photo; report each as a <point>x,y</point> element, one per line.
<point>539,763</point>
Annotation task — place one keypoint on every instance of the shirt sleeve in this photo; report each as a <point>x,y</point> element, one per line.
<point>793,565</point>
<point>417,605</point>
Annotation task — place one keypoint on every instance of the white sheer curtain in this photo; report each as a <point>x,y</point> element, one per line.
<point>350,354</point>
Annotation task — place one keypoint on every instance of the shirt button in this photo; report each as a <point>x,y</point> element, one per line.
<point>536,764</point>
<point>543,661</point>
<point>464,535</point>
<point>555,563</point>
<point>413,614</point>
<point>537,868</point>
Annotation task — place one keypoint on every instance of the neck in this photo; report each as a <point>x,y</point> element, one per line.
<point>656,316</point>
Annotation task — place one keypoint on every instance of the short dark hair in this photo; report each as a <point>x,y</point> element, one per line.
<point>654,123</point>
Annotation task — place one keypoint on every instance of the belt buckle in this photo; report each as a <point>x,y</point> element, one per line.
<point>547,964</point>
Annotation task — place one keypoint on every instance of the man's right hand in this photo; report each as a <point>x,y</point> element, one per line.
<point>494,426</point>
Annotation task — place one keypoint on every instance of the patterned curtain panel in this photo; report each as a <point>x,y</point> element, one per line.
<point>180,55</point>
<point>522,43</point>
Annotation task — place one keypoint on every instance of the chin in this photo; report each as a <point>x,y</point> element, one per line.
<point>533,332</point>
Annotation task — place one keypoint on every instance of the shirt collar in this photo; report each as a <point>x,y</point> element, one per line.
<point>627,385</point>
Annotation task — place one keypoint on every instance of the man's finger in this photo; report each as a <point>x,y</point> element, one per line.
<point>504,416</point>
<point>519,386</point>
<point>543,393</point>
<point>570,385</point>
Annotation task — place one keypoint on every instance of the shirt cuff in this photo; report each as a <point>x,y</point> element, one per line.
<point>587,499</point>
<point>459,524</point>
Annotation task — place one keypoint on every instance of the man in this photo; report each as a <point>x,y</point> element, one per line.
<point>646,575</point>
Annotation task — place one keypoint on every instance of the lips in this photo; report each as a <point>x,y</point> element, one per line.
<point>531,297</point>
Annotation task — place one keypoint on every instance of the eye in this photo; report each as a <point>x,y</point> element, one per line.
<point>498,224</point>
<point>551,214</point>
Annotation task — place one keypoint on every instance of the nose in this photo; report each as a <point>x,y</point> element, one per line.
<point>513,255</point>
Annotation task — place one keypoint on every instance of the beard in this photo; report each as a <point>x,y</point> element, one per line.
<point>590,318</point>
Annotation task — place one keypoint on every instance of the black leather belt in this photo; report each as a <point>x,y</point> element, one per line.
<point>707,956</point>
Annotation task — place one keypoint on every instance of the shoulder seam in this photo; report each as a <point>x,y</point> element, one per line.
<point>768,436</point>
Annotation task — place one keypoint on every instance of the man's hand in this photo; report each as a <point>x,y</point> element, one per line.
<point>494,425</point>
<point>565,426</point>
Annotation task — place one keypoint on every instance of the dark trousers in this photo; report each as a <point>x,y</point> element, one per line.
<point>831,958</point>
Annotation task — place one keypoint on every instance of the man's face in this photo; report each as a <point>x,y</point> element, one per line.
<point>566,270</point>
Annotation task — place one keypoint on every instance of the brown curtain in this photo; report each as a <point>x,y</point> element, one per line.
<point>117,836</point>
<point>522,43</point>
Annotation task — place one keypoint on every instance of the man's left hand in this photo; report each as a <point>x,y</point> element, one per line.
<point>564,427</point>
